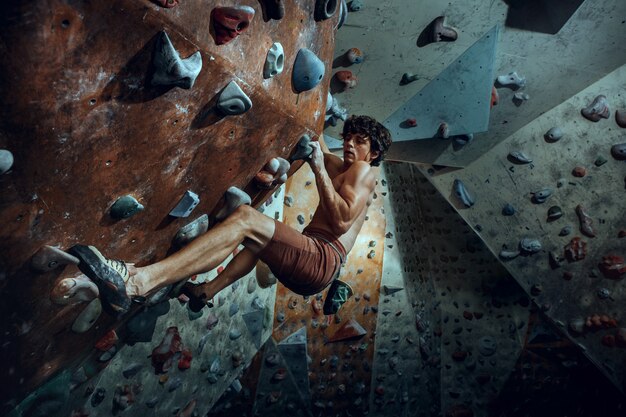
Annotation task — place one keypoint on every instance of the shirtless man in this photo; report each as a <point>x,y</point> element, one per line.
<point>306,262</point>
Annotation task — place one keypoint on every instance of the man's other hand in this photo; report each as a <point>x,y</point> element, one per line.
<point>316,159</point>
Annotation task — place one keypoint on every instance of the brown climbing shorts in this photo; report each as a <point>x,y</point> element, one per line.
<point>306,262</point>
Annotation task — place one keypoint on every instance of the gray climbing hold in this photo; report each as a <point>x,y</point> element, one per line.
<point>125,207</point>
<point>275,61</point>
<point>462,140</point>
<point>577,326</point>
<point>512,80</point>
<point>619,151</point>
<point>520,157</point>
<point>170,69</point>
<point>191,231</point>
<point>508,210</point>
<point>604,293</point>
<point>251,285</point>
<point>6,161</point>
<point>519,98</point>
<point>541,196</point>
<point>87,317</point>
<point>390,289</point>
<point>356,5</point>
<point>566,230</point>
<point>308,70</point>
<point>596,110</point>
<point>487,346</point>
<point>325,9</point>
<point>174,384</point>
<point>343,14</point>
<point>553,134</point>
<point>530,245</point>
<point>233,198</point>
<point>408,78</point>
<point>509,254</point>
<point>462,193</point>
<point>554,212</point>
<point>48,258</point>
<point>234,334</point>
<point>233,101</point>
<point>132,370</point>
<point>185,206</point>
<point>233,309</point>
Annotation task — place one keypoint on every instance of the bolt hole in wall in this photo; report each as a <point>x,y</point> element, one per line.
<point>92,101</point>
<point>65,24</point>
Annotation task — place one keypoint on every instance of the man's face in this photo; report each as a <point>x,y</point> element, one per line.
<point>356,147</point>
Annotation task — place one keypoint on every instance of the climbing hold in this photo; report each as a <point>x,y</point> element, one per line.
<point>437,31</point>
<point>184,362</point>
<point>410,122</point>
<point>620,118</point>
<point>598,109</point>
<point>87,317</point>
<point>619,151</point>
<point>343,14</point>
<point>530,245</point>
<point>586,224</point>
<point>97,397</point>
<point>188,411</point>
<point>174,384</point>
<point>462,140</point>
<point>125,207</point>
<point>230,22</point>
<point>390,289</point>
<point>508,210</point>
<point>495,98</point>
<point>191,231</point>
<point>234,334</point>
<point>541,196</point>
<point>325,9</point>
<point>303,149</point>
<point>356,5</point>
<point>576,249</point>
<point>308,70</point>
<point>554,259</point>
<point>579,172</point>
<point>612,266</point>
<point>553,134</point>
<point>554,213</point>
<point>233,309</point>
<point>462,193</point>
<point>512,80</point>
<point>275,61</point>
<point>6,161</point>
<point>185,206</point>
<point>170,69</point>
<point>519,157</point>
<point>162,354</point>
<point>443,131</point>
<point>346,78</point>
<point>233,101</point>
<point>509,254</point>
<point>168,4</point>
<point>371,254</point>
<point>275,9</point>
<point>487,345</point>
<point>48,258</point>
<point>351,329</point>
<point>132,370</point>
<point>407,78</point>
<point>354,55</point>
<point>74,290</point>
<point>233,198</point>
<point>519,98</point>
<point>600,161</point>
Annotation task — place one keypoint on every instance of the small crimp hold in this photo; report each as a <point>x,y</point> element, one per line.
<point>407,78</point>
<point>530,245</point>
<point>6,161</point>
<point>512,80</point>
<point>437,31</point>
<point>48,258</point>
<point>411,122</point>
<point>354,55</point>
<point>191,231</point>
<point>185,206</point>
<point>346,78</point>
<point>462,193</point>
<point>170,69</point>
<point>462,140</point>
<point>554,212</point>
<point>233,198</point>
<point>519,157</point>
<point>443,131</point>
<point>519,98</point>
<point>495,98</point>
<point>303,149</point>
<point>598,109</point>
<point>74,290</point>
<point>553,134</point>
<point>233,101</point>
<point>541,195</point>
<point>125,207</point>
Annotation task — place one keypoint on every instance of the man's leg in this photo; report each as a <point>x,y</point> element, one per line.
<point>206,252</point>
<point>238,267</point>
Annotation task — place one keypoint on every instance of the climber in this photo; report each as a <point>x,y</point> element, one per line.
<point>306,262</point>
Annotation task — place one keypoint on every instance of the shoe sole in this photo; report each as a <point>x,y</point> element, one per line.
<point>112,287</point>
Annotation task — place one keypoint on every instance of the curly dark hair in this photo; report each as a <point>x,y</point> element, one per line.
<point>379,135</point>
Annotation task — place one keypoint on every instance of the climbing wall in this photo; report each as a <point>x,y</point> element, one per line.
<point>457,319</point>
<point>552,207</point>
<point>337,359</point>
<point>93,117</point>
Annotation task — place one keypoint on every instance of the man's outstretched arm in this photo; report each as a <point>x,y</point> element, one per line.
<point>344,205</point>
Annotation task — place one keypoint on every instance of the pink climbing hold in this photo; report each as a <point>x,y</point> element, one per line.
<point>346,78</point>
<point>162,354</point>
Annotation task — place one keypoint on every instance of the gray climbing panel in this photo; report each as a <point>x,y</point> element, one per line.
<point>459,96</point>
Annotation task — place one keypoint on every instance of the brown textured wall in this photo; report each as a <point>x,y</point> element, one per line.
<point>86,127</point>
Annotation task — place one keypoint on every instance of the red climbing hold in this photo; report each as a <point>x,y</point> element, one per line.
<point>162,355</point>
<point>612,266</point>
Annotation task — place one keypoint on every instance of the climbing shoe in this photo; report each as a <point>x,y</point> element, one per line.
<point>337,295</point>
<point>109,275</point>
